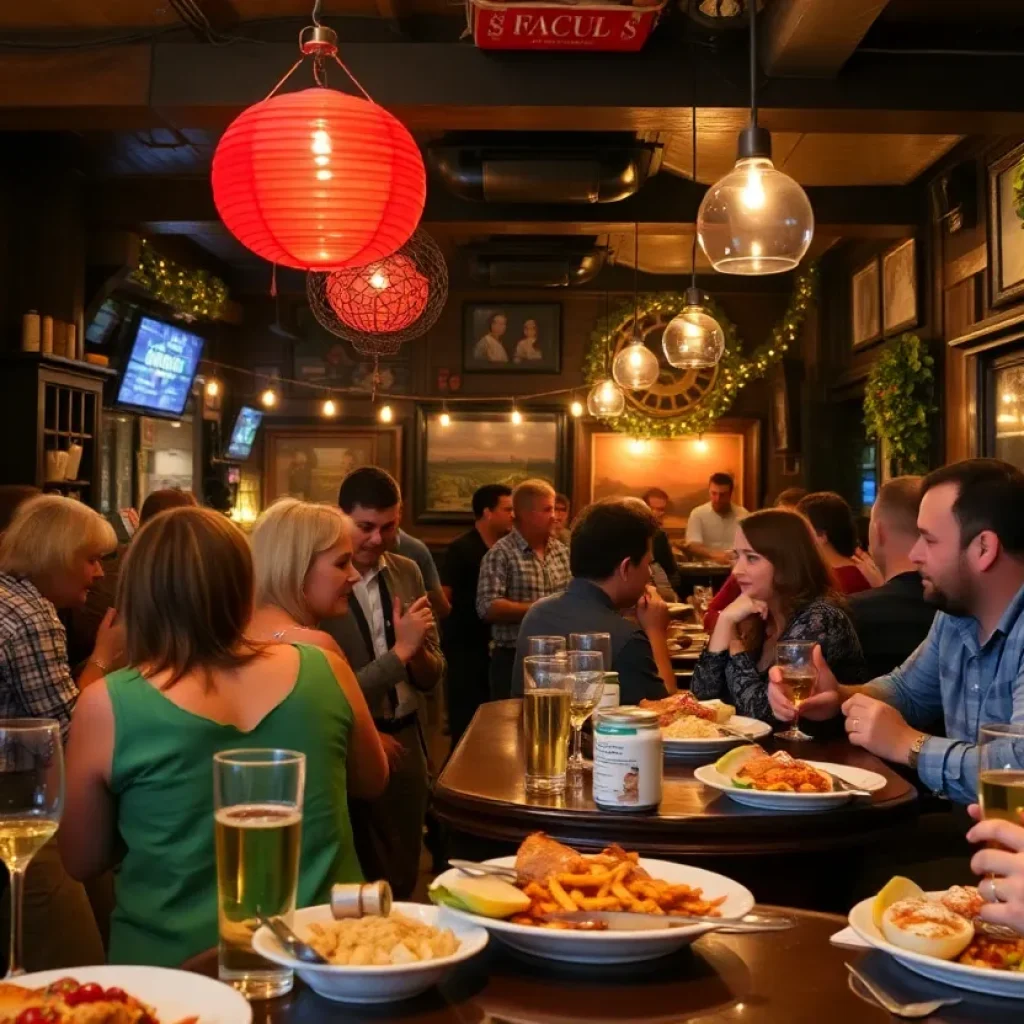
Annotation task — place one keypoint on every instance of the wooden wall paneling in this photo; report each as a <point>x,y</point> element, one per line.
<point>959,393</point>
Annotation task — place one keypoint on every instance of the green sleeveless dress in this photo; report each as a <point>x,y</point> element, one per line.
<point>162,780</point>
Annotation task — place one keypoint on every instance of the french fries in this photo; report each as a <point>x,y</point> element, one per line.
<point>614,880</point>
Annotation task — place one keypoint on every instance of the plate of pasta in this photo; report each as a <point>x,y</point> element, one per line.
<point>701,728</point>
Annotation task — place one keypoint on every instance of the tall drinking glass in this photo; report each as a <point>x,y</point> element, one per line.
<point>1001,771</point>
<point>593,642</point>
<point>546,646</point>
<point>796,660</point>
<point>547,694</point>
<point>702,597</point>
<point>31,801</point>
<point>257,799</point>
<point>586,671</point>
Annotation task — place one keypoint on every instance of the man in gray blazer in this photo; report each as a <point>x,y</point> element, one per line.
<point>392,644</point>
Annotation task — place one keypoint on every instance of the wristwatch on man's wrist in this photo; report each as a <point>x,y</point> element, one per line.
<point>915,749</point>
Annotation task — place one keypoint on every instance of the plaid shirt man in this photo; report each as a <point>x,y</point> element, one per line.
<point>511,570</point>
<point>967,682</point>
<point>35,680</point>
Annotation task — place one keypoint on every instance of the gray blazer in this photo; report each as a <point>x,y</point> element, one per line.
<point>378,676</point>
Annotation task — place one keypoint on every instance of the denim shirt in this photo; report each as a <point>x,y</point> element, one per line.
<point>970,683</point>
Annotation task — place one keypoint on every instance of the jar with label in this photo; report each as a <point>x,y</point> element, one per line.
<point>610,694</point>
<point>627,760</point>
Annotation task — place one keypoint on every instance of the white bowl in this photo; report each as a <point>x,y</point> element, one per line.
<point>175,995</point>
<point>374,984</point>
<point>614,947</point>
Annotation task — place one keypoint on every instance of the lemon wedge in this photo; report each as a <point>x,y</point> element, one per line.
<point>489,897</point>
<point>896,889</point>
<point>729,764</point>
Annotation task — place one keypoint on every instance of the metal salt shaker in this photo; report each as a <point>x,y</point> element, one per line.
<point>361,899</point>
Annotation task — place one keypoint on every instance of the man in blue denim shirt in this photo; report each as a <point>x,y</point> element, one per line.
<point>970,668</point>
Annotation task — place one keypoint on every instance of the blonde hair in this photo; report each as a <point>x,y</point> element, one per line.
<point>186,595</point>
<point>48,533</point>
<point>524,494</point>
<point>285,541</point>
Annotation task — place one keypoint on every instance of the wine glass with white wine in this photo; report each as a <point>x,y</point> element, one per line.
<point>31,801</point>
<point>586,673</point>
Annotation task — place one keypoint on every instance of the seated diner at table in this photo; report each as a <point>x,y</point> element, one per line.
<point>836,531</point>
<point>786,594</point>
<point>139,784</point>
<point>970,669</point>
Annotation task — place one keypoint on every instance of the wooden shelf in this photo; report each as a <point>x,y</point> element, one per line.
<point>58,362</point>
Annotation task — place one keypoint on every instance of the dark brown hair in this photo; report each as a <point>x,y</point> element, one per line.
<point>829,514</point>
<point>11,496</point>
<point>785,539</point>
<point>161,501</point>
<point>186,594</point>
<point>790,497</point>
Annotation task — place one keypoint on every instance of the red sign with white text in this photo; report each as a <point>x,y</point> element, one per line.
<point>540,26</point>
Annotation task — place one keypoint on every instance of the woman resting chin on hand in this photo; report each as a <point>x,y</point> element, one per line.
<point>1003,887</point>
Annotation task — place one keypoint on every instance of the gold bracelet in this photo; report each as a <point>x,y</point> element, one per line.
<point>915,749</point>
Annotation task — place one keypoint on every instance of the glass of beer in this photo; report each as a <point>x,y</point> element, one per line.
<point>586,674</point>
<point>1001,771</point>
<point>31,801</point>
<point>547,646</point>
<point>257,799</point>
<point>799,676</point>
<point>547,695</point>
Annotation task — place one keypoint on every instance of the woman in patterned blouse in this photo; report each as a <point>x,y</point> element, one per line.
<point>786,594</point>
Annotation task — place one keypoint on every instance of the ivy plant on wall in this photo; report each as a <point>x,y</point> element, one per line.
<point>899,398</point>
<point>193,294</point>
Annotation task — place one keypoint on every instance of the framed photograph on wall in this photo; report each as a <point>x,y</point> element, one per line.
<point>1006,227</point>
<point>512,337</point>
<point>482,447</point>
<point>866,304</point>
<point>899,287</point>
<point>309,463</point>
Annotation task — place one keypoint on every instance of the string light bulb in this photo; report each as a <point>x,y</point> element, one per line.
<point>700,444</point>
<point>269,398</point>
<point>444,419</point>
<point>606,400</point>
<point>516,417</point>
<point>212,387</point>
<point>329,407</point>
<point>386,415</point>
<point>576,408</point>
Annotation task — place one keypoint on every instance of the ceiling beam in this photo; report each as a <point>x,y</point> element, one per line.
<point>811,39</point>
<point>452,86</point>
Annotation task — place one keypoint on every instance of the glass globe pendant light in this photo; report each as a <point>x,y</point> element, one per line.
<point>606,400</point>
<point>756,220</point>
<point>693,338</point>
<point>636,366</point>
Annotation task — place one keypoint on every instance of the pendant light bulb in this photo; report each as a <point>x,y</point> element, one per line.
<point>606,400</point>
<point>386,415</point>
<point>636,366</point>
<point>269,398</point>
<point>693,339</point>
<point>517,416</point>
<point>576,408</point>
<point>444,419</point>
<point>329,408</point>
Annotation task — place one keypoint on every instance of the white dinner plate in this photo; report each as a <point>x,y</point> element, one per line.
<point>375,984</point>
<point>975,979</point>
<point>174,995</point>
<point>859,777</point>
<point>755,730</point>
<point>612,947</point>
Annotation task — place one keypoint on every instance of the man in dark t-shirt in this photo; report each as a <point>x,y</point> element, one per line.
<point>465,637</point>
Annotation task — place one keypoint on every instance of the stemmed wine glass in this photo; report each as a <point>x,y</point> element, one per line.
<point>586,677</point>
<point>796,660</point>
<point>31,802</point>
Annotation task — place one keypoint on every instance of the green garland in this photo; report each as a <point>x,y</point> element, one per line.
<point>898,399</point>
<point>192,293</point>
<point>735,370</point>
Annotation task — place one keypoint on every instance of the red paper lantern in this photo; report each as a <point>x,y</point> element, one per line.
<point>381,298</point>
<point>319,180</point>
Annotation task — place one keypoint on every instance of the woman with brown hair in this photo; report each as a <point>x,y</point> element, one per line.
<point>140,776</point>
<point>786,594</point>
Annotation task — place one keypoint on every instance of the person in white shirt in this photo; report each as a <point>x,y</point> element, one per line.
<point>490,348</point>
<point>711,527</point>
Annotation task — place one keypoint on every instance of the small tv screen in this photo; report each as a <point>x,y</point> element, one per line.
<point>105,322</point>
<point>247,422</point>
<point>160,369</point>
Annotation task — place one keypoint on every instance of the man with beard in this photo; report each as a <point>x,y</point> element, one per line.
<point>970,668</point>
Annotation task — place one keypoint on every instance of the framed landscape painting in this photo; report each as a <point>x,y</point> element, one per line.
<point>1006,227</point>
<point>512,337</point>
<point>866,304</point>
<point>899,287</point>
<point>481,447</point>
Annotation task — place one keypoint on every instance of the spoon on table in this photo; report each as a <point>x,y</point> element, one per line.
<point>291,942</point>
<point>886,1001</point>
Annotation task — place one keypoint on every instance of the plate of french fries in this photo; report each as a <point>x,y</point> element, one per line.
<point>554,879</point>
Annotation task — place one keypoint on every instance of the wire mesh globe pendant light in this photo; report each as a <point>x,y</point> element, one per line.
<point>386,303</point>
<point>635,367</point>
<point>756,220</point>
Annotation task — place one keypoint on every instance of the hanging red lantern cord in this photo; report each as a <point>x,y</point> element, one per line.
<point>318,179</point>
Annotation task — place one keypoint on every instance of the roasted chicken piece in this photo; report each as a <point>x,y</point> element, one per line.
<point>540,857</point>
<point>668,709</point>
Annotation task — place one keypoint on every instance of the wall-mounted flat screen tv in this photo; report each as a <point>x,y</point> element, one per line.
<point>247,422</point>
<point>158,375</point>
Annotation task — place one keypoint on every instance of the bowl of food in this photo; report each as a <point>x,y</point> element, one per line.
<point>377,959</point>
<point>565,906</point>
<point>939,935</point>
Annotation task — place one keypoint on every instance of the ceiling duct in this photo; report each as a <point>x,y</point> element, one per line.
<point>588,170</point>
<point>545,266</point>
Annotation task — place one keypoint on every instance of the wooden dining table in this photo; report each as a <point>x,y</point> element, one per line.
<point>793,977</point>
<point>797,859</point>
